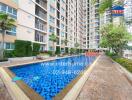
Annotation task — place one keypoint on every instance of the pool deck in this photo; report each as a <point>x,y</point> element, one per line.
<point>4,95</point>
<point>106,82</point>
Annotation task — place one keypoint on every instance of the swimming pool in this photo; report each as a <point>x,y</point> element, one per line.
<point>50,78</point>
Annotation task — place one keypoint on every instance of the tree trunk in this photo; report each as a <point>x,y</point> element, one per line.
<point>2,45</point>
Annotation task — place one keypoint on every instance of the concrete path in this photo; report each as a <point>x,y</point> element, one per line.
<point>106,82</point>
<point>4,95</point>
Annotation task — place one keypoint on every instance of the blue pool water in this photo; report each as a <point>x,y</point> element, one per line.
<point>49,78</point>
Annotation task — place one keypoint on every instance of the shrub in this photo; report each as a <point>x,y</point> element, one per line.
<point>57,50</point>
<point>72,51</point>
<point>81,50</point>
<point>50,53</point>
<point>111,54</point>
<point>127,63</point>
<point>9,53</point>
<point>28,48</point>
<point>36,49</point>
<point>23,48</point>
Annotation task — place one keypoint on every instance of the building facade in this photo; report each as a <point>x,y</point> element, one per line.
<point>93,25</point>
<point>128,20</point>
<point>37,19</point>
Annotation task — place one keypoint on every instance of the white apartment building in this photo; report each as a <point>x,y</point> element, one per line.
<point>128,19</point>
<point>37,19</point>
<point>93,25</point>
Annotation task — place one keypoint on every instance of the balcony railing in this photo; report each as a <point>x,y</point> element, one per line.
<point>42,3</point>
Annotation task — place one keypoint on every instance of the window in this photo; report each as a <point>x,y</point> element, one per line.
<point>14,11</point>
<point>3,7</point>
<point>52,19</point>
<point>7,9</point>
<point>62,10</point>
<point>10,10</point>
<point>51,29</point>
<point>62,34</point>
<point>39,37</point>
<point>9,45</point>
<point>63,1</point>
<point>62,26</point>
<point>52,1</point>
<point>62,18</point>
<point>52,10</point>
<point>12,31</point>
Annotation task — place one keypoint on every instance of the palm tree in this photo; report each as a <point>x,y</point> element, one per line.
<point>6,23</point>
<point>53,38</point>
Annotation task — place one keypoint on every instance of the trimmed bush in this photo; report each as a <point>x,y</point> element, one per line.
<point>28,48</point>
<point>50,53</point>
<point>23,48</point>
<point>58,51</point>
<point>36,49</point>
<point>9,53</point>
<point>72,51</point>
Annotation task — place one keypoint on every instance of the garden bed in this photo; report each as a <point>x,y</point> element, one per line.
<point>127,63</point>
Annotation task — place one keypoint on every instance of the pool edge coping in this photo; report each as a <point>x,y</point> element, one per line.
<point>26,92</point>
<point>73,89</point>
<point>28,95</point>
<point>39,61</point>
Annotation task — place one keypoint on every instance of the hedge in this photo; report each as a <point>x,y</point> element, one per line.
<point>127,63</point>
<point>9,53</point>
<point>72,51</point>
<point>58,51</point>
<point>23,48</point>
<point>36,49</point>
<point>26,48</point>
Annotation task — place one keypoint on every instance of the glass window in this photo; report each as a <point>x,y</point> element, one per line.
<point>12,31</point>
<point>3,7</point>
<point>14,11</point>
<point>52,19</point>
<point>52,10</point>
<point>9,45</point>
<point>39,37</point>
<point>51,29</point>
<point>9,10</point>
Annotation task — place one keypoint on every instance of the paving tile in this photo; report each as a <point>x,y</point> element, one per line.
<point>106,82</point>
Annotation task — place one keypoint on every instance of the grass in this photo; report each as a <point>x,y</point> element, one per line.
<point>126,63</point>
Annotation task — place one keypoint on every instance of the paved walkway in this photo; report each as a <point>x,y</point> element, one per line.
<point>106,83</point>
<point>4,95</point>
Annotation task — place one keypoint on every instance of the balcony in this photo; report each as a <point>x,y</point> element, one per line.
<point>40,37</point>
<point>41,25</point>
<point>42,3</point>
<point>41,13</point>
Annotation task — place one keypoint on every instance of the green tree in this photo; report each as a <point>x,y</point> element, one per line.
<point>107,4</point>
<point>114,37</point>
<point>6,23</point>
<point>53,38</point>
